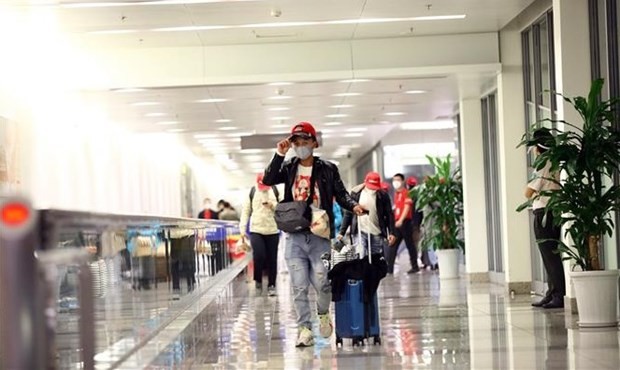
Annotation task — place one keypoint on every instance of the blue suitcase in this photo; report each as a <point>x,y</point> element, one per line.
<point>354,318</point>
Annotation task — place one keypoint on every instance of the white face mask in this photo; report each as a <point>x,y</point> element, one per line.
<point>397,184</point>
<point>303,152</point>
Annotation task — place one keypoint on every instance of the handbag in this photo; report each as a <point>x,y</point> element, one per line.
<point>320,223</point>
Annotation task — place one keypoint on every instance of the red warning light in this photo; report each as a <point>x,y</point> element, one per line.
<point>15,214</point>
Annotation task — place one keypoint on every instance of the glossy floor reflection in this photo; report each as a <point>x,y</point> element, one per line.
<point>425,325</point>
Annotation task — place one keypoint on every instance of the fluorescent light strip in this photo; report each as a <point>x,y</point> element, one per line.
<point>355,80</point>
<point>212,100</point>
<point>293,24</point>
<point>342,106</point>
<point>143,3</point>
<point>279,109</point>
<point>347,94</point>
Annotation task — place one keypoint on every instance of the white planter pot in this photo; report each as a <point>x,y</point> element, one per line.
<point>448,263</point>
<point>597,297</point>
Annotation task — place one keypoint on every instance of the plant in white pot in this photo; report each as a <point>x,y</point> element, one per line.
<point>583,203</point>
<point>441,198</point>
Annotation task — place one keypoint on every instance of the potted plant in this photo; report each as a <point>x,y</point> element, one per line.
<point>587,157</point>
<point>441,198</point>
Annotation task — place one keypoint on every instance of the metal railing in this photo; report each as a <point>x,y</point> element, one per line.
<point>37,316</point>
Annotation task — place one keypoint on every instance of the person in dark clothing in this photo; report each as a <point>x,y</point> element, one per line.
<point>305,251</point>
<point>546,232</point>
<point>379,222</point>
<point>403,216</point>
<point>208,213</point>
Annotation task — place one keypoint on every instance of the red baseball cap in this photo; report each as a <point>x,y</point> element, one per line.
<point>304,130</point>
<point>373,181</point>
<point>412,181</point>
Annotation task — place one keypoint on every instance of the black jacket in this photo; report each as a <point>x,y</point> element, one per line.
<point>359,269</point>
<point>384,212</point>
<point>327,179</point>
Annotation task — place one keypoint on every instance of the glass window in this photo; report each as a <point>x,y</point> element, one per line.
<point>532,79</point>
<point>545,72</point>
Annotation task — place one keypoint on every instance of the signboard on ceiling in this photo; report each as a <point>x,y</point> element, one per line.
<point>268,141</point>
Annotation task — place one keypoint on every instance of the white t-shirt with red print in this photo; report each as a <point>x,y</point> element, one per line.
<point>301,186</point>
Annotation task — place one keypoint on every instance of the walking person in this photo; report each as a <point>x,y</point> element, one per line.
<point>546,232</point>
<point>303,249</point>
<point>403,216</point>
<point>379,222</point>
<point>258,211</point>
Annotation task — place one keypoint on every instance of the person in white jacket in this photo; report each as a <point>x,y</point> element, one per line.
<point>258,210</point>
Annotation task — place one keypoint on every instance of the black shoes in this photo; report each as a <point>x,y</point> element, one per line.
<point>555,303</point>
<point>550,302</point>
<point>542,302</point>
<point>413,271</point>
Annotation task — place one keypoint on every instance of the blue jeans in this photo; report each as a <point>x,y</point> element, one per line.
<point>377,244</point>
<point>303,253</point>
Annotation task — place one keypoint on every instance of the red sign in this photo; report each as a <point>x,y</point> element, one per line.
<point>15,214</point>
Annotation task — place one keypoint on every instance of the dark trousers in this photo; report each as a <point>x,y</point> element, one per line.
<point>183,262</point>
<point>265,253</point>
<point>404,232</point>
<point>548,251</point>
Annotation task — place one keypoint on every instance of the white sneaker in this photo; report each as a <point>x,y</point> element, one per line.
<point>305,338</point>
<point>325,325</point>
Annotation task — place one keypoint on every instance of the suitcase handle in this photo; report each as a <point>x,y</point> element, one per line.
<point>359,237</point>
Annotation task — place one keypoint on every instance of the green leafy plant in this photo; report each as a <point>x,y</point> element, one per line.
<point>442,195</point>
<point>587,156</point>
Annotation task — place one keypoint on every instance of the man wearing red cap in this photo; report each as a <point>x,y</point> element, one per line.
<point>379,222</point>
<point>258,209</point>
<point>403,216</point>
<point>304,250</point>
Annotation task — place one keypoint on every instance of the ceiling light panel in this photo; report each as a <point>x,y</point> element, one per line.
<point>212,100</point>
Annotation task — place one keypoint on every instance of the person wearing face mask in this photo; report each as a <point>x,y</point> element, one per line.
<point>403,216</point>
<point>304,251</point>
<point>208,213</point>
<point>379,222</point>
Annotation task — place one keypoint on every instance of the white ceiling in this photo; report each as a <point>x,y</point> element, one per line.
<point>248,107</point>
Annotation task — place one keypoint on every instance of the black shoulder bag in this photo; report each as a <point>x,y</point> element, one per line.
<point>296,216</point>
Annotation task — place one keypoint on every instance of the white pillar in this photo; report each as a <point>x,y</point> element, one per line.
<point>572,64</point>
<point>513,166</point>
<point>474,200</point>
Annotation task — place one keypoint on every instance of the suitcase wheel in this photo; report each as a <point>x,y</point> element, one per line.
<point>377,340</point>
<point>358,341</point>
<point>338,341</point>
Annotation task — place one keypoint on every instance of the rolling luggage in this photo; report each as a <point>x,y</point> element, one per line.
<point>354,318</point>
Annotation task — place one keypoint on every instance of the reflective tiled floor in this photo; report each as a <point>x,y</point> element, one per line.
<point>425,325</point>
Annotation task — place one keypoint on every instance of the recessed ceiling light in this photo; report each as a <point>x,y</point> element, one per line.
<point>280,118</point>
<point>342,106</point>
<point>280,83</point>
<point>333,123</point>
<point>154,114</point>
<point>228,128</point>
<point>354,80</point>
<point>168,123</point>
<point>279,109</point>
<point>348,94</point>
<point>145,103</point>
<point>223,120</point>
<point>212,100</point>
<point>427,125</point>
<point>357,129</point>
<point>339,115</point>
<point>130,90</point>
<point>354,134</point>
<point>280,97</point>
<point>176,130</point>
<point>206,136</point>
<point>395,113</point>
<point>415,92</point>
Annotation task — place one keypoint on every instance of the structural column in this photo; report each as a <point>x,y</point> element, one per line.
<point>513,165</point>
<point>474,199</point>
<point>572,65</point>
